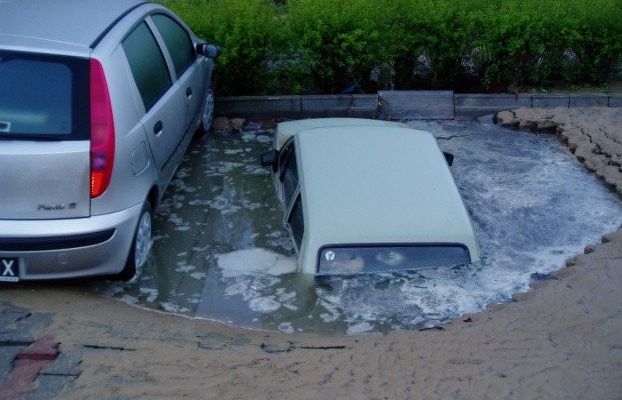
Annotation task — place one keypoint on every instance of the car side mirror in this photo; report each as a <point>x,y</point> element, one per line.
<point>449,158</point>
<point>208,50</point>
<point>270,159</point>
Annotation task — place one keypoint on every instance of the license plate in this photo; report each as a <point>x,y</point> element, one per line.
<point>9,269</point>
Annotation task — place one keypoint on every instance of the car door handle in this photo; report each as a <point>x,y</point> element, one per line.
<point>157,128</point>
<point>188,92</point>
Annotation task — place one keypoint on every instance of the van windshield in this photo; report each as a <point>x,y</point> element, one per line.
<point>43,97</point>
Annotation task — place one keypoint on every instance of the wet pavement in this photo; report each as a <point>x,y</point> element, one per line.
<point>220,251</point>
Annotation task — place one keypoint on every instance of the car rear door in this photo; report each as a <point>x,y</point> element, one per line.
<point>188,67</point>
<point>44,136</point>
<point>165,107</point>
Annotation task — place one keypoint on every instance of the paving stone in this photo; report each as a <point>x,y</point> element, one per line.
<point>67,363</point>
<point>7,355</point>
<point>585,151</point>
<point>44,348</point>
<point>49,387</point>
<point>596,163</point>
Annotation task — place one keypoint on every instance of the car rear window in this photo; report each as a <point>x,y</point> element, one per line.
<point>43,97</point>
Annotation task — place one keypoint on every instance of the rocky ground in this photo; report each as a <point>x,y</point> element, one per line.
<point>561,340</point>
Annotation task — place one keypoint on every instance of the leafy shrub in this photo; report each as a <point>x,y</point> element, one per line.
<point>320,46</point>
<point>341,40</point>
<point>251,33</point>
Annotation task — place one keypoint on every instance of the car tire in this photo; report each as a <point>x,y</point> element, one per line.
<point>141,244</point>
<point>207,113</point>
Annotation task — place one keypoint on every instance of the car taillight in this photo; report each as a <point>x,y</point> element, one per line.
<point>102,131</point>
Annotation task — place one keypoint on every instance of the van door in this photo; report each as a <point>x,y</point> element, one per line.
<point>44,136</point>
<point>165,109</point>
<point>190,73</point>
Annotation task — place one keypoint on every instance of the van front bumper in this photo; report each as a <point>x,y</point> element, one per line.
<point>69,248</point>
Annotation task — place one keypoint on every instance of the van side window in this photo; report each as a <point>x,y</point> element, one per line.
<point>289,175</point>
<point>296,222</point>
<point>177,42</point>
<point>147,65</point>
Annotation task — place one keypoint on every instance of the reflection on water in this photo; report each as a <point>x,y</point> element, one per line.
<point>220,251</point>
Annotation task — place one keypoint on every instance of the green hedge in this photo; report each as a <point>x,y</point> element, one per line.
<point>320,46</point>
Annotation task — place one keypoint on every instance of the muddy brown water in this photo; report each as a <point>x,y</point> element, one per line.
<point>220,251</point>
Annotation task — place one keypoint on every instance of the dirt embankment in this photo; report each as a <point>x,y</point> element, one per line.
<point>561,340</point>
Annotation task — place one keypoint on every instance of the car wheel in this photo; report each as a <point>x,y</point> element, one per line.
<point>141,245</point>
<point>207,115</point>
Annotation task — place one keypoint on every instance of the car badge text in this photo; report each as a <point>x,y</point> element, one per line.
<point>56,207</point>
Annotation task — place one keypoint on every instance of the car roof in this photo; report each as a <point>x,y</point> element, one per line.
<point>382,184</point>
<point>60,23</point>
<point>285,130</point>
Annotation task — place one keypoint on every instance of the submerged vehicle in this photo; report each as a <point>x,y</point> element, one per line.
<point>368,196</point>
<point>98,103</point>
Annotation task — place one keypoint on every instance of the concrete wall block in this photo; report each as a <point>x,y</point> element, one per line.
<point>365,106</point>
<point>259,106</point>
<point>588,100</point>
<point>417,104</point>
<point>338,105</point>
<point>473,112</point>
<point>492,101</point>
<point>615,100</point>
<point>549,101</point>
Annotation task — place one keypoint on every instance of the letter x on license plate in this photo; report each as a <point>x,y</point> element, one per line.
<point>9,269</point>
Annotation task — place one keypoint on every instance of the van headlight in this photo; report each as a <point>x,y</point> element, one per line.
<point>344,260</point>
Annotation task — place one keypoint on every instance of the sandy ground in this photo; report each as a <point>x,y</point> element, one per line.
<point>561,340</point>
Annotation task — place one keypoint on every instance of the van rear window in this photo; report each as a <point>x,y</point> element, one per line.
<point>43,97</point>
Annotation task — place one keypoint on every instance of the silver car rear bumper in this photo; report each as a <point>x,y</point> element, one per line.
<point>69,248</point>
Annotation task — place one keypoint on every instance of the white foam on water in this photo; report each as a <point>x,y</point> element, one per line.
<point>198,275</point>
<point>173,308</point>
<point>286,327</point>
<point>263,139</point>
<point>183,267</point>
<point>359,328</point>
<point>264,304</point>
<point>150,294</point>
<point>127,299</point>
<point>252,261</point>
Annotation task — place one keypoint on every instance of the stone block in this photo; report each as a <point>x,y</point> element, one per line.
<point>416,104</point>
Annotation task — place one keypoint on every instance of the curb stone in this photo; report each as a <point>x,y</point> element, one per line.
<point>424,104</point>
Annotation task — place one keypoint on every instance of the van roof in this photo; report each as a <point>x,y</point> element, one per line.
<point>63,24</point>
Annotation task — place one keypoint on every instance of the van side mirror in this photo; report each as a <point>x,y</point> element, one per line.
<point>449,158</point>
<point>270,159</point>
<point>208,50</point>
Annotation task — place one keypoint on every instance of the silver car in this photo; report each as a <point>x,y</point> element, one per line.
<point>98,103</point>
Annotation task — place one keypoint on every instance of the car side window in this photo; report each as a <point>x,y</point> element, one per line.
<point>177,42</point>
<point>289,175</point>
<point>147,65</point>
<point>296,222</point>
